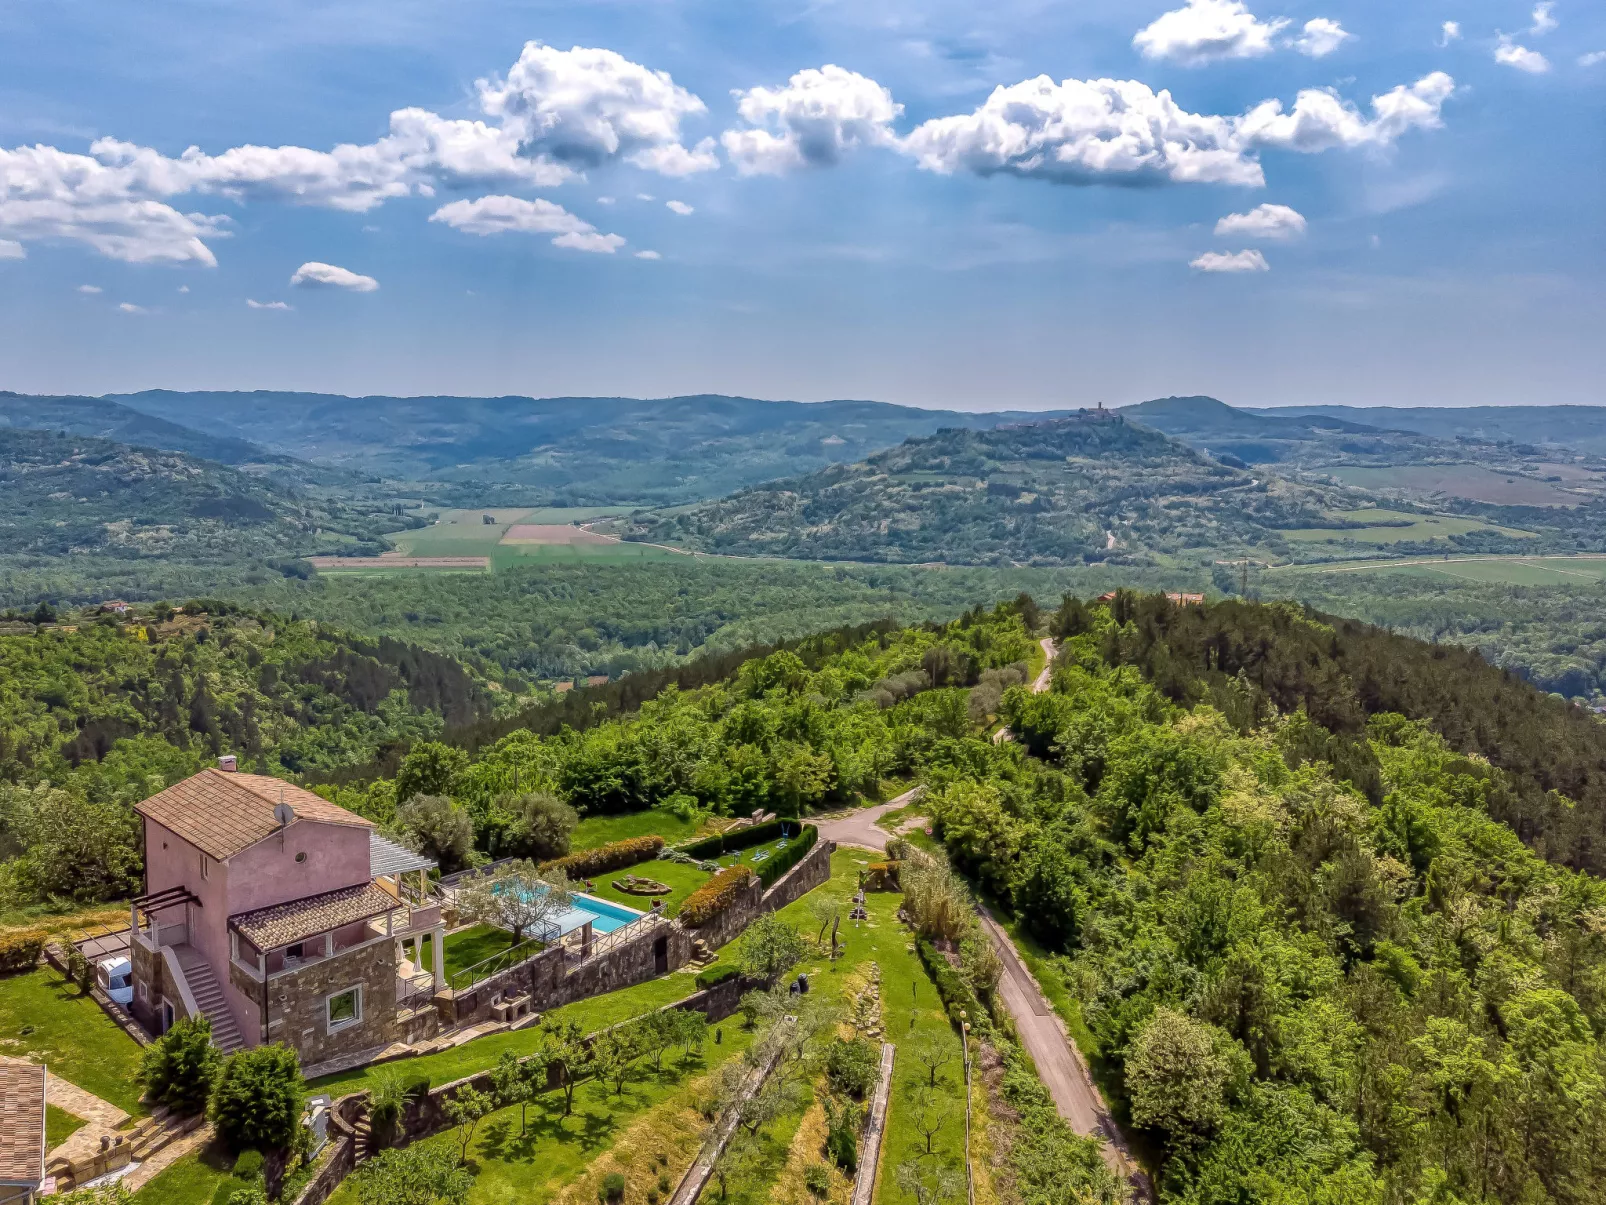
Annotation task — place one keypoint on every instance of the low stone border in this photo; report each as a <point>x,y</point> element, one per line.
<point>874,1127</point>
<point>702,1168</point>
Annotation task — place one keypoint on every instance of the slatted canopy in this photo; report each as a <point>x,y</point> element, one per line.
<point>388,858</point>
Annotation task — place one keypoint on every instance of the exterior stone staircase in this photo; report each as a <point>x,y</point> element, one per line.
<point>152,1134</point>
<point>364,1129</point>
<point>701,956</point>
<point>209,999</point>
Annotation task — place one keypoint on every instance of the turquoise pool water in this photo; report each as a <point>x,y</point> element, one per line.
<point>605,915</point>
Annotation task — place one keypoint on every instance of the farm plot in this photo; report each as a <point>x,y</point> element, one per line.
<point>1396,527</point>
<point>1473,482</point>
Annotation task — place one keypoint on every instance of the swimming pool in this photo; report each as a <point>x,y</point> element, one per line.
<point>605,915</point>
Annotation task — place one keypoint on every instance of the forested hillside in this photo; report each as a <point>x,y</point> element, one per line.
<point>1301,881</point>
<point>569,451</point>
<point>1090,488</point>
<point>103,419</point>
<point>74,495</point>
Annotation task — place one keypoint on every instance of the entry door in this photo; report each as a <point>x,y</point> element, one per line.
<point>168,1016</point>
<point>660,955</point>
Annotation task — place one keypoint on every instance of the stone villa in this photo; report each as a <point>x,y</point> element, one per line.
<point>282,918</point>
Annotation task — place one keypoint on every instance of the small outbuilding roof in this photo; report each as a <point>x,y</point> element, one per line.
<point>285,924</point>
<point>387,858</point>
<point>22,1123</point>
<point>221,812</point>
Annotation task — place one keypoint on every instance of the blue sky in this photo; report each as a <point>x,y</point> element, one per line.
<point>1269,202</point>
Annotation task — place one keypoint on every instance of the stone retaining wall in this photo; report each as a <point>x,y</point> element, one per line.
<point>811,872</point>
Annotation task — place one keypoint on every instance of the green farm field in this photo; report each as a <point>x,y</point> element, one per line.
<point>1396,527</point>
<point>1485,570</point>
<point>460,533</point>
<point>508,556</point>
<point>1470,481</point>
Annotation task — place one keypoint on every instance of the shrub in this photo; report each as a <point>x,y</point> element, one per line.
<point>852,1067</point>
<point>616,855</point>
<point>881,876</point>
<point>613,1186</point>
<point>817,1179</point>
<point>257,1100</point>
<point>249,1165</point>
<point>716,974</point>
<point>955,992</point>
<point>770,872</point>
<point>20,949</point>
<point>842,1134</point>
<point>179,1068</point>
<point>716,895</point>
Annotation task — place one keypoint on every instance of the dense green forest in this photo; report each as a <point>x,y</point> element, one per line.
<point>1091,488</point>
<point>97,717</point>
<point>1312,886</point>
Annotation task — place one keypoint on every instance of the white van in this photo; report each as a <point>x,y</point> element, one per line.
<point>116,976</point>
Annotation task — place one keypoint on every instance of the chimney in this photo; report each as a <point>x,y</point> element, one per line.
<point>227,764</point>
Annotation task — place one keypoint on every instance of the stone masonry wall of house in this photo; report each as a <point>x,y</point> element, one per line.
<point>298,1003</point>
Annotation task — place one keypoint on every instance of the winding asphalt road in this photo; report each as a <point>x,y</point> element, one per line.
<point>1042,1033</point>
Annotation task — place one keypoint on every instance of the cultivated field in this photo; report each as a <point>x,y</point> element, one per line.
<point>1473,482</point>
<point>1396,527</point>
<point>1492,570</point>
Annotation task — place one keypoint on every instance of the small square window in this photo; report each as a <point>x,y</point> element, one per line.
<point>345,1008</point>
<point>293,951</point>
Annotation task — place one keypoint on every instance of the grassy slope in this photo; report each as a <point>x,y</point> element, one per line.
<point>601,830</point>
<point>71,1035</point>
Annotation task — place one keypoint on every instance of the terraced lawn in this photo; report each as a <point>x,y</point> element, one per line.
<point>45,1020</point>
<point>682,879</point>
<point>601,830</point>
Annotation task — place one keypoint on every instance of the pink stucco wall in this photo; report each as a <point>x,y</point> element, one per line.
<point>264,874</point>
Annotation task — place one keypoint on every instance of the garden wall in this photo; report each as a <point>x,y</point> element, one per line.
<point>811,872</point>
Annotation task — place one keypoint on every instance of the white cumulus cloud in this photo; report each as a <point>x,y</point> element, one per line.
<point>1449,32</point>
<point>514,215</point>
<point>585,106</point>
<point>1592,58</point>
<point>648,255</point>
<point>1231,261</point>
<point>1104,131</point>
<point>679,207</point>
<point>1321,37</point>
<point>12,250</point>
<point>1512,55</point>
<point>313,274</point>
<point>128,307</point>
<point>555,114</point>
<point>1208,31</point>
<point>89,288</point>
<point>254,304</point>
<point>812,121</point>
<point>1262,222</point>
<point>1543,19</point>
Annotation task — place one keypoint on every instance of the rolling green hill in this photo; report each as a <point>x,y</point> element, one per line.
<point>1085,489</point>
<point>70,415</point>
<point>568,451</point>
<point>68,496</point>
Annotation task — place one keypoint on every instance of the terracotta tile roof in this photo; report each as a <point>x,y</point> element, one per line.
<point>285,924</point>
<point>22,1122</point>
<point>222,813</point>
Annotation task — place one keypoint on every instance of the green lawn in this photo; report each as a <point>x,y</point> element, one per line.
<point>45,1020</point>
<point>602,830</point>
<point>682,878</point>
<point>599,1012</point>
<point>910,1010</point>
<point>201,1178</point>
<point>470,946</point>
<point>60,1125</point>
<point>554,1150</point>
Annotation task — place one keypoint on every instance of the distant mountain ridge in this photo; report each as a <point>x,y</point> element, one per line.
<point>568,449</point>
<point>1581,428</point>
<point>1088,488</point>
<point>106,419</point>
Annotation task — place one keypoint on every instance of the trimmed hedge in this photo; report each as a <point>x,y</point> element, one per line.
<point>770,870</point>
<point>716,895</point>
<point>714,975</point>
<point>955,992</point>
<point>20,950</point>
<point>742,838</point>
<point>616,855</point>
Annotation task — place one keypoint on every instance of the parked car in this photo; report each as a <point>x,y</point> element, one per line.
<point>116,976</point>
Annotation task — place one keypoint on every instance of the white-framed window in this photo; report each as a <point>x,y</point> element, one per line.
<point>344,1008</point>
